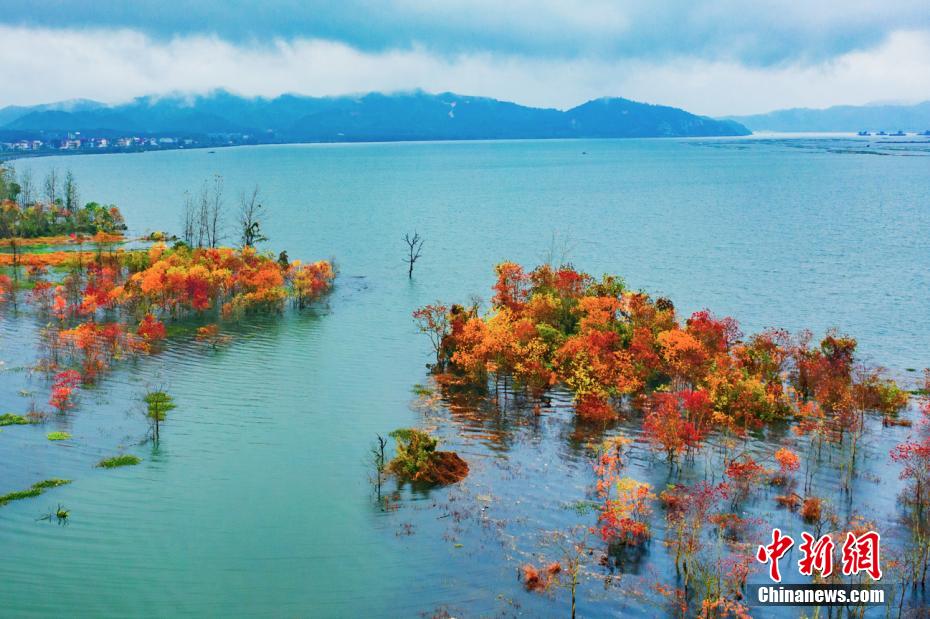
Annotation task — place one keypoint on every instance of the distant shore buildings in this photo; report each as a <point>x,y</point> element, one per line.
<point>895,134</point>
<point>75,142</point>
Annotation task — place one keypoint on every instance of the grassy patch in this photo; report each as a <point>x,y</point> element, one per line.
<point>582,508</point>
<point>117,461</point>
<point>422,390</point>
<point>20,494</point>
<point>35,490</point>
<point>58,436</point>
<point>51,483</point>
<point>9,419</point>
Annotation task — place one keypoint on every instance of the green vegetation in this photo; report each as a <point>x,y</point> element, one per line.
<point>26,212</point>
<point>61,515</point>
<point>35,490</point>
<point>9,419</point>
<point>58,436</point>
<point>51,483</point>
<point>415,449</point>
<point>418,460</point>
<point>422,390</point>
<point>118,461</point>
<point>9,188</point>
<point>583,507</point>
<point>21,494</point>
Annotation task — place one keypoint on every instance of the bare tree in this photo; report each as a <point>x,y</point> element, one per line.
<point>190,219</point>
<point>51,187</point>
<point>203,216</point>
<point>378,464</point>
<point>559,250</point>
<point>414,246</point>
<point>251,216</point>
<point>216,211</point>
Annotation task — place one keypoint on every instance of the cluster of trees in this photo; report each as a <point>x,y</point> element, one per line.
<point>621,352</point>
<point>913,455</point>
<point>614,347</point>
<point>105,303</point>
<point>112,303</point>
<point>26,212</point>
<point>173,282</point>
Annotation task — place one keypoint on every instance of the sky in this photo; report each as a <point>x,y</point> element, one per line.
<point>714,57</point>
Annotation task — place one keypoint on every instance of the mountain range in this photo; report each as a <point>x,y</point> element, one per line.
<point>372,117</point>
<point>844,118</point>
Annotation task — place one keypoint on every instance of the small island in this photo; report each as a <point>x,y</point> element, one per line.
<point>105,299</point>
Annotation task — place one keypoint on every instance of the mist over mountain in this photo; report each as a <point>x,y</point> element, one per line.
<point>876,117</point>
<point>371,117</point>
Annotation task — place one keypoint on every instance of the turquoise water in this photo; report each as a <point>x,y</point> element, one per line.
<point>257,501</point>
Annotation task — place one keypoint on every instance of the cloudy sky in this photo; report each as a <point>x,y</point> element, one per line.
<point>712,57</point>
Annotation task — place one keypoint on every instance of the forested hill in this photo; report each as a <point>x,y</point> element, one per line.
<point>371,117</point>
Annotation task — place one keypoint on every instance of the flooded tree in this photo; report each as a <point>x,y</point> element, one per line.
<point>568,571</point>
<point>66,382</point>
<point>203,220</point>
<point>158,405</point>
<point>378,464</point>
<point>434,321</point>
<point>414,247</point>
<point>190,229</point>
<point>251,216</point>
<point>418,460</point>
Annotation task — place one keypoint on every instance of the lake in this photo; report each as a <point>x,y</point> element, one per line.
<point>257,502</point>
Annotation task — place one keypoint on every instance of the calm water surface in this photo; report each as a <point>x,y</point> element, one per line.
<point>257,501</point>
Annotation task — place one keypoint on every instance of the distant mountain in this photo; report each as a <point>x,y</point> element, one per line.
<point>621,118</point>
<point>372,117</point>
<point>884,117</point>
<point>13,112</point>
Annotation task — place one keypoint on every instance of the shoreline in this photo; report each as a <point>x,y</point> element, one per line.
<point>818,135</point>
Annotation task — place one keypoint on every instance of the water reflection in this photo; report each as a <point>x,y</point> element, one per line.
<point>532,477</point>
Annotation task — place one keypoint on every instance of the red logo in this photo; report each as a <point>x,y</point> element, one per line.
<point>773,552</point>
<point>861,553</point>
<point>818,555</point>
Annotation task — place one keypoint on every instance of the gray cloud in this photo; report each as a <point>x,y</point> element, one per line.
<point>49,64</point>
<point>760,33</point>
